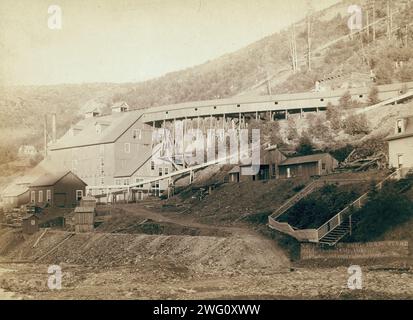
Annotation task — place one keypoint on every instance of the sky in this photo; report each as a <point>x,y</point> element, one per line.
<point>130,40</point>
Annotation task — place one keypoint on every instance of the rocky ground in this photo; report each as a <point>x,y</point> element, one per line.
<point>179,256</point>
<point>148,281</point>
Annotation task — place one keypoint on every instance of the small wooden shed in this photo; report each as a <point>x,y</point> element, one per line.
<point>30,223</point>
<point>88,201</point>
<point>84,219</point>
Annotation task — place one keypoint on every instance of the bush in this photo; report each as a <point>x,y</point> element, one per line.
<point>345,100</point>
<point>384,72</point>
<point>333,115</point>
<point>356,124</point>
<point>305,145</point>
<point>317,128</point>
<point>384,210</point>
<point>341,153</point>
<point>373,96</point>
<point>406,73</point>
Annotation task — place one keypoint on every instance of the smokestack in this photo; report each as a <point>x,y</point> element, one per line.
<point>53,127</point>
<point>45,135</point>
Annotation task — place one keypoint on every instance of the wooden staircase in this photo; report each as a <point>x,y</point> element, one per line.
<point>341,224</point>
<point>339,232</point>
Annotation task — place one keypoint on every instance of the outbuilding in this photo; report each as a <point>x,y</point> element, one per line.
<point>307,166</point>
<point>30,223</point>
<point>59,190</point>
<point>270,158</point>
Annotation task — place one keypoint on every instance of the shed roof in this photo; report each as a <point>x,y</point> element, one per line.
<point>84,209</point>
<point>305,159</point>
<point>50,179</point>
<point>14,190</point>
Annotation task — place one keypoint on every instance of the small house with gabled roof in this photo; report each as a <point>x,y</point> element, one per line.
<point>60,190</point>
<point>401,144</point>
<point>307,166</point>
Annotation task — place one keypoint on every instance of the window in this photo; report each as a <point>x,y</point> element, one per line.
<point>139,180</point>
<point>79,195</point>
<point>166,171</point>
<point>399,126</point>
<point>127,147</point>
<point>135,133</point>
<point>126,182</point>
<point>152,165</point>
<point>118,182</point>
<point>40,196</point>
<point>323,166</point>
<point>102,180</point>
<point>48,195</point>
<point>160,171</point>
<point>33,197</point>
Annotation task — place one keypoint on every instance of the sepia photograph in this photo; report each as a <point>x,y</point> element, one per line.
<point>207,156</point>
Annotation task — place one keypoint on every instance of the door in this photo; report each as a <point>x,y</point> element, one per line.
<point>60,200</point>
<point>400,160</point>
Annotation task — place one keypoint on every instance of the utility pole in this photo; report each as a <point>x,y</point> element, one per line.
<point>293,49</point>
<point>389,20</point>
<point>367,23</point>
<point>309,42</point>
<point>45,135</point>
<point>374,20</point>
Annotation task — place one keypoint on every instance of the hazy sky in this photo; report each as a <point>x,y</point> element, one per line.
<point>130,40</point>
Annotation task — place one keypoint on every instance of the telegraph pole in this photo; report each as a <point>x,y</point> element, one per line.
<point>45,135</point>
<point>374,20</point>
<point>309,42</point>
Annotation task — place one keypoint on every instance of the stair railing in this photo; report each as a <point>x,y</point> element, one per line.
<point>286,205</point>
<point>340,217</point>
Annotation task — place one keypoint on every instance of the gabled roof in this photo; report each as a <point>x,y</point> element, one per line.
<point>14,190</point>
<point>408,132</point>
<point>117,124</point>
<point>50,179</point>
<point>305,159</point>
<point>21,184</point>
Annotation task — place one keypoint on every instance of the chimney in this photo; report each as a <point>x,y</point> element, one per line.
<point>45,135</point>
<point>54,127</point>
